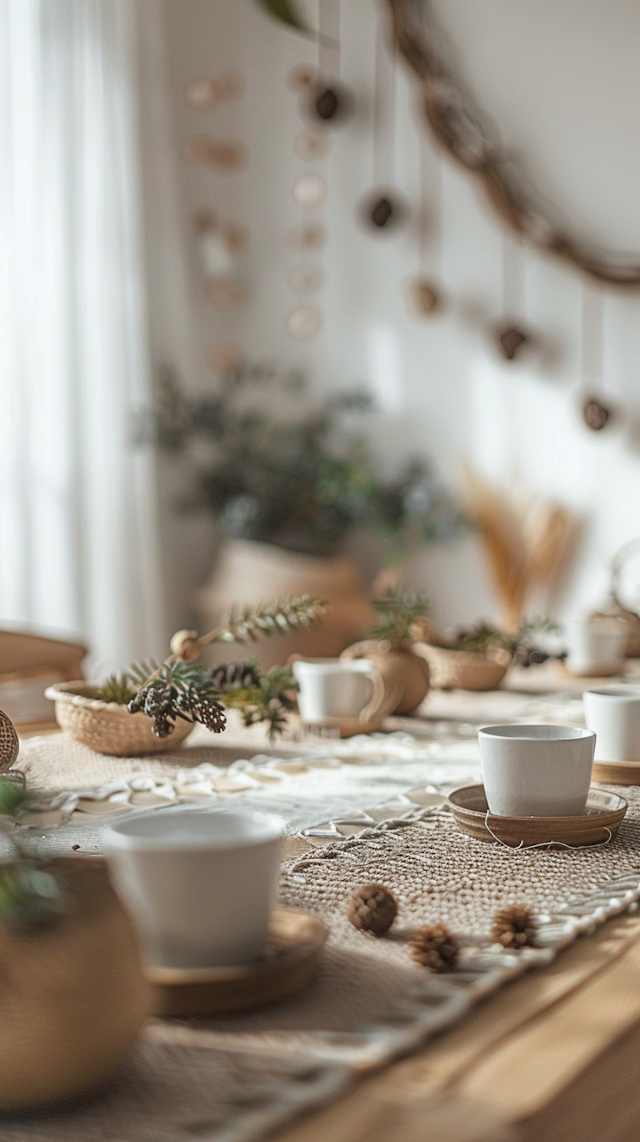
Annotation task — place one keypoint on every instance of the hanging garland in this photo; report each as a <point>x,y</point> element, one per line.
<point>465,134</point>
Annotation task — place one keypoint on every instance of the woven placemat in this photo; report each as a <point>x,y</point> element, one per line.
<point>234,1078</point>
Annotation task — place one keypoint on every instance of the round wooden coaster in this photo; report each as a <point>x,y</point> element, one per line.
<point>599,824</point>
<point>617,772</point>
<point>295,943</point>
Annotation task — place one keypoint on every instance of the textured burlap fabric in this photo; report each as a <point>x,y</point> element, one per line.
<point>233,1078</point>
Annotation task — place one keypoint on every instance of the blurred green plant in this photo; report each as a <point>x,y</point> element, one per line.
<point>399,612</point>
<point>30,894</point>
<point>523,647</point>
<point>272,468</point>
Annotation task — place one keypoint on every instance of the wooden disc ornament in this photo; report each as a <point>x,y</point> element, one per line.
<point>310,190</point>
<point>303,79</point>
<point>304,321</point>
<point>205,92</point>
<point>224,155</point>
<point>308,236</point>
<point>306,278</point>
<point>312,144</point>
<point>224,292</point>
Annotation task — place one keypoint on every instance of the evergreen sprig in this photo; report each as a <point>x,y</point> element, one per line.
<point>192,692</point>
<point>398,612</point>
<point>248,624</point>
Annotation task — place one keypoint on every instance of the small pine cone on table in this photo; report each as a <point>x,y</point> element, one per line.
<point>372,908</point>
<point>514,927</point>
<point>434,947</point>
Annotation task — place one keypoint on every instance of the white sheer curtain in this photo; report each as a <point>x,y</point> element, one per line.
<point>78,546</point>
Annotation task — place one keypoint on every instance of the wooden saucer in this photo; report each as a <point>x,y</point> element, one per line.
<point>295,943</point>
<point>600,822</point>
<point>617,772</point>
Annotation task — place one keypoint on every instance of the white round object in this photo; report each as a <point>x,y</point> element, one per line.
<point>201,94</point>
<point>310,190</point>
<point>304,322</point>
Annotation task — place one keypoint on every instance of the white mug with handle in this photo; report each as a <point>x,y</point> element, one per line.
<point>336,689</point>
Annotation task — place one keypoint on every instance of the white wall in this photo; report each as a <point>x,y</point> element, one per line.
<point>563,84</point>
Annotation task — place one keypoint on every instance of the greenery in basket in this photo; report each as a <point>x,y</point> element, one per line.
<point>30,894</point>
<point>399,614</point>
<point>188,690</point>
<point>270,467</point>
<point>484,636</point>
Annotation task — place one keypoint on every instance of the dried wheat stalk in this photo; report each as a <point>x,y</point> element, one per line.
<point>524,543</point>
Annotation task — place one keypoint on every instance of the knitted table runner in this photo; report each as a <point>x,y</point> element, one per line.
<point>234,1078</point>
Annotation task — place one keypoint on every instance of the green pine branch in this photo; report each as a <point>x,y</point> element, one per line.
<point>398,611</point>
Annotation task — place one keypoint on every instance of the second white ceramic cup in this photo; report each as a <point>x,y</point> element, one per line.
<point>596,646</point>
<point>614,715</point>
<point>536,771</point>
<point>338,688</point>
<point>199,884</point>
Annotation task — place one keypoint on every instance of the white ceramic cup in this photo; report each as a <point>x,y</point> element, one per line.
<point>200,884</point>
<point>613,713</point>
<point>536,771</point>
<point>596,646</point>
<point>338,688</point>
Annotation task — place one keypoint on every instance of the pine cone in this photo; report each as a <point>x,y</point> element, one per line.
<point>514,927</point>
<point>435,948</point>
<point>235,676</point>
<point>372,908</point>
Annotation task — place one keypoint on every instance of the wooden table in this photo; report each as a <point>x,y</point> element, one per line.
<point>555,1057</point>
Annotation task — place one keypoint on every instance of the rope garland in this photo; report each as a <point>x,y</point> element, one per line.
<point>464,132</point>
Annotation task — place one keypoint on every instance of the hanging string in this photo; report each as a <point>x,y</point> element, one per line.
<point>430,214</point>
<point>595,413</point>
<point>513,276</point>
<point>383,112</point>
<point>329,38</point>
<point>592,348</point>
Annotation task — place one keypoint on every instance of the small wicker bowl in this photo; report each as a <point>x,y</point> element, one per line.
<point>464,669</point>
<point>107,727</point>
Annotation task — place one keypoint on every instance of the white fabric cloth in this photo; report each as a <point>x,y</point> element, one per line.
<point>78,547</point>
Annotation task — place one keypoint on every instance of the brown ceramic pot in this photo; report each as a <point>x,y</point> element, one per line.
<point>405,673</point>
<point>72,995</point>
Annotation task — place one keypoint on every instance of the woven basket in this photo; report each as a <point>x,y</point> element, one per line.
<point>107,727</point>
<point>465,670</point>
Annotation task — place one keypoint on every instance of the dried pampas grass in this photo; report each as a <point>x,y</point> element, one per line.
<point>524,538</point>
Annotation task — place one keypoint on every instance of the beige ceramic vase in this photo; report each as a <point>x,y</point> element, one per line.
<point>73,998</point>
<point>404,672</point>
<point>250,573</point>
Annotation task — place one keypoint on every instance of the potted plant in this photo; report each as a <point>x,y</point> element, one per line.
<point>150,708</point>
<point>478,657</point>
<point>393,648</point>
<point>288,481</point>
<point>74,997</point>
